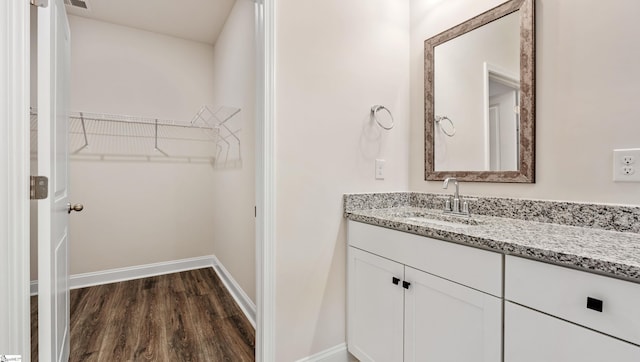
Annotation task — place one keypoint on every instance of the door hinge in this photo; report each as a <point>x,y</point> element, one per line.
<point>40,3</point>
<point>39,188</point>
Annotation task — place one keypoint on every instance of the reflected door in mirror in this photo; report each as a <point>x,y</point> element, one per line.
<point>479,95</point>
<point>476,85</point>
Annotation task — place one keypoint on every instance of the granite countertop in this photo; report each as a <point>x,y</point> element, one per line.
<point>607,252</point>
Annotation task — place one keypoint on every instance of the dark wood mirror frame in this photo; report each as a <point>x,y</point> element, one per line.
<point>526,171</point>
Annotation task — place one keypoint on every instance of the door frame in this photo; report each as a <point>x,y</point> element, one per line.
<point>496,73</point>
<point>15,334</point>
<point>265,181</point>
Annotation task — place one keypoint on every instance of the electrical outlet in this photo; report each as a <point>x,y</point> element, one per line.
<point>628,160</point>
<point>379,169</point>
<point>624,168</point>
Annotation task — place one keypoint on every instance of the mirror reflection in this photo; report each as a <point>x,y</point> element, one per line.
<point>480,97</point>
<point>477,98</point>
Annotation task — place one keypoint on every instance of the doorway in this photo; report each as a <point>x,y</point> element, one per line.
<point>14,19</point>
<point>157,198</point>
<point>501,118</point>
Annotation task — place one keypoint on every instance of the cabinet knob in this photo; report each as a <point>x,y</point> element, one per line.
<point>395,280</point>
<point>406,285</point>
<point>594,304</point>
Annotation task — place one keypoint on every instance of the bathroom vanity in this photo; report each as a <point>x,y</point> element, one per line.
<point>553,313</point>
<point>427,286</point>
<point>410,284</point>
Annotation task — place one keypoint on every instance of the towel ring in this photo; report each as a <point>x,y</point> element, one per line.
<point>453,128</point>
<point>374,111</point>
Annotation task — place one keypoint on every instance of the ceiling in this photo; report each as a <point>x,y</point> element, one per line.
<point>198,20</point>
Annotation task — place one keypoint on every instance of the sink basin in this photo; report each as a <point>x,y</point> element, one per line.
<point>438,218</point>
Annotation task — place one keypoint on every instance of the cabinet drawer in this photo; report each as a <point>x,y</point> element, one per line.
<point>531,336</point>
<point>475,268</point>
<point>564,293</point>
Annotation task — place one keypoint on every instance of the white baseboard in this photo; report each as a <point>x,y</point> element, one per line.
<point>244,302</point>
<point>108,276</point>
<point>139,271</point>
<point>334,354</point>
<point>174,266</point>
<point>33,287</point>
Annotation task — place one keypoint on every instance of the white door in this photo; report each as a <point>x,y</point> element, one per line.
<point>53,218</point>
<point>448,322</point>
<point>531,336</point>
<point>504,117</point>
<point>375,307</point>
<point>494,137</point>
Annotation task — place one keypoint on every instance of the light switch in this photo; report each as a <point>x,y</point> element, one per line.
<point>379,169</point>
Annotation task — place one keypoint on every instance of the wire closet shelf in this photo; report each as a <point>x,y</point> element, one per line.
<point>206,138</point>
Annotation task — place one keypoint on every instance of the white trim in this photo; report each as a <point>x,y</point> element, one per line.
<point>33,288</point>
<point>505,77</point>
<point>15,63</point>
<point>108,276</point>
<point>242,299</point>
<point>334,354</point>
<point>139,271</point>
<point>265,182</point>
<point>487,121</point>
<point>174,266</point>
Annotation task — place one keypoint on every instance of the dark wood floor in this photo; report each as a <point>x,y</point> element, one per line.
<point>186,316</point>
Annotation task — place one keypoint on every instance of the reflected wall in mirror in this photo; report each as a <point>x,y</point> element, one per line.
<point>479,97</point>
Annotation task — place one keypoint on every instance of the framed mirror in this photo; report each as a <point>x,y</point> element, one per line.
<point>480,97</point>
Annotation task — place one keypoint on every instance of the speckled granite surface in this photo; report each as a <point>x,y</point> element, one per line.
<point>601,216</point>
<point>608,243</point>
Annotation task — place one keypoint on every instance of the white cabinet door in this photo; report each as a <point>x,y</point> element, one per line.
<point>448,322</point>
<point>531,336</point>
<point>375,307</point>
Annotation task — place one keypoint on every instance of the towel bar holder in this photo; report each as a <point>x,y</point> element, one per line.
<point>374,116</point>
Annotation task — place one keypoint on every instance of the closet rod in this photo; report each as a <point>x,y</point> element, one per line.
<point>149,123</point>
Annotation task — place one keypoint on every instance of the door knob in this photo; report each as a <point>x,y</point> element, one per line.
<point>76,207</point>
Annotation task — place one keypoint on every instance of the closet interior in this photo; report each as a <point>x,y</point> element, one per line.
<point>161,140</point>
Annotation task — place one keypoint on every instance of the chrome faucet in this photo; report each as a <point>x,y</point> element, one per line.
<point>454,207</point>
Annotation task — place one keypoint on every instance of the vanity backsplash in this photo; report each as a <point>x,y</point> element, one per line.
<point>601,216</point>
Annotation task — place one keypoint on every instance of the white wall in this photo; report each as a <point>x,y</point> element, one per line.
<point>138,212</point>
<point>233,218</point>
<point>587,86</point>
<point>459,89</point>
<point>135,72</point>
<point>335,59</point>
